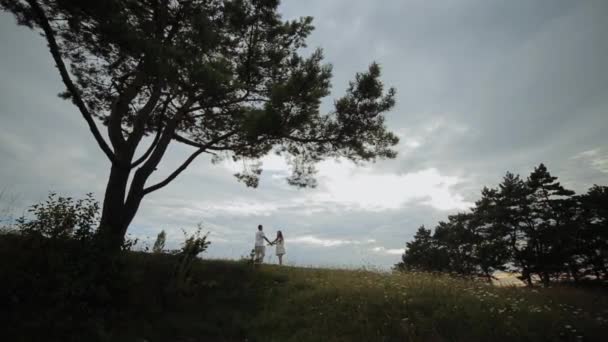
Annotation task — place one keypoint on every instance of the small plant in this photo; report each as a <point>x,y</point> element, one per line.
<point>62,217</point>
<point>191,248</point>
<point>159,244</point>
<point>248,259</point>
<point>129,243</point>
<point>7,206</point>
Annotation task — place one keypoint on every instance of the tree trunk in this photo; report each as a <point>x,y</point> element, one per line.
<point>119,208</point>
<point>111,226</point>
<point>525,274</point>
<point>546,279</point>
<point>599,268</point>
<point>488,277</point>
<point>574,272</point>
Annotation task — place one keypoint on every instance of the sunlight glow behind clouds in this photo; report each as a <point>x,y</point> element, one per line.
<point>313,240</point>
<point>345,184</point>
<point>390,251</point>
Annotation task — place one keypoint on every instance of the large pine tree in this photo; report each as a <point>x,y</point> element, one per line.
<point>493,234</point>
<point>550,219</point>
<point>513,214</point>
<point>224,77</point>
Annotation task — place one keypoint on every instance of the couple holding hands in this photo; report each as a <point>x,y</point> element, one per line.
<point>260,249</point>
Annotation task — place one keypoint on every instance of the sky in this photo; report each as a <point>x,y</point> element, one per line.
<point>483,87</point>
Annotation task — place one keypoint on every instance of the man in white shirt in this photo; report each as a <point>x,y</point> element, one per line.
<point>260,249</point>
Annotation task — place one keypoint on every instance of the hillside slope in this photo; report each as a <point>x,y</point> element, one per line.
<point>234,301</point>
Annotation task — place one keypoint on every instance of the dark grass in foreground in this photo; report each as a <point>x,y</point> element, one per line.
<point>233,301</point>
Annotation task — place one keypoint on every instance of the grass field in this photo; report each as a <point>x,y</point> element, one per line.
<point>234,301</point>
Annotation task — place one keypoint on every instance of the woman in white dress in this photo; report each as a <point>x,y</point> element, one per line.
<point>280,246</point>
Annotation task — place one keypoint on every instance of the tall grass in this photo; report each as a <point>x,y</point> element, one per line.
<point>368,306</point>
<point>237,301</point>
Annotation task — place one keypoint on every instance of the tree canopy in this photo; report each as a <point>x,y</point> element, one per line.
<point>225,77</point>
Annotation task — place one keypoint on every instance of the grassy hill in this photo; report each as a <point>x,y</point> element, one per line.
<point>47,296</point>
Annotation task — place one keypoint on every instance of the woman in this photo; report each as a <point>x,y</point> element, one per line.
<point>280,246</point>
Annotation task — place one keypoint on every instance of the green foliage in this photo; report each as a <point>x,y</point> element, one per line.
<point>422,253</point>
<point>62,218</point>
<point>62,287</point>
<point>340,305</point>
<point>57,271</point>
<point>591,245</point>
<point>534,227</point>
<point>159,244</point>
<point>193,245</point>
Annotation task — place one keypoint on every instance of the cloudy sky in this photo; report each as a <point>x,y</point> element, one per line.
<point>483,87</point>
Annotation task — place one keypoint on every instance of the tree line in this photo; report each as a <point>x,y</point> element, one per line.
<point>534,226</point>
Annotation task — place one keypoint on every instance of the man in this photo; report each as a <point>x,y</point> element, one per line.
<point>260,249</point>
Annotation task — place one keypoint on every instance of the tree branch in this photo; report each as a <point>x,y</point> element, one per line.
<point>307,140</point>
<point>202,148</point>
<point>174,174</point>
<point>207,145</point>
<point>65,77</point>
<point>121,106</point>
<point>187,141</point>
<point>232,102</point>
<point>156,138</point>
<point>149,151</point>
<point>143,115</point>
<point>136,190</point>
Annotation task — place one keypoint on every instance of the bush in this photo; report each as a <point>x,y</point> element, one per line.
<point>193,245</point>
<point>62,218</point>
<point>59,272</point>
<point>57,286</point>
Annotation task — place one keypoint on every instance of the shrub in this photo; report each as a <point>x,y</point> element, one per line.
<point>193,245</point>
<point>159,244</point>
<point>62,218</point>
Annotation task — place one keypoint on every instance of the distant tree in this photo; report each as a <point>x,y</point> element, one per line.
<point>534,227</point>
<point>222,76</point>
<point>512,215</point>
<point>492,249</point>
<point>420,254</point>
<point>549,218</point>
<point>594,231</point>
<point>159,244</point>
<point>456,241</point>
